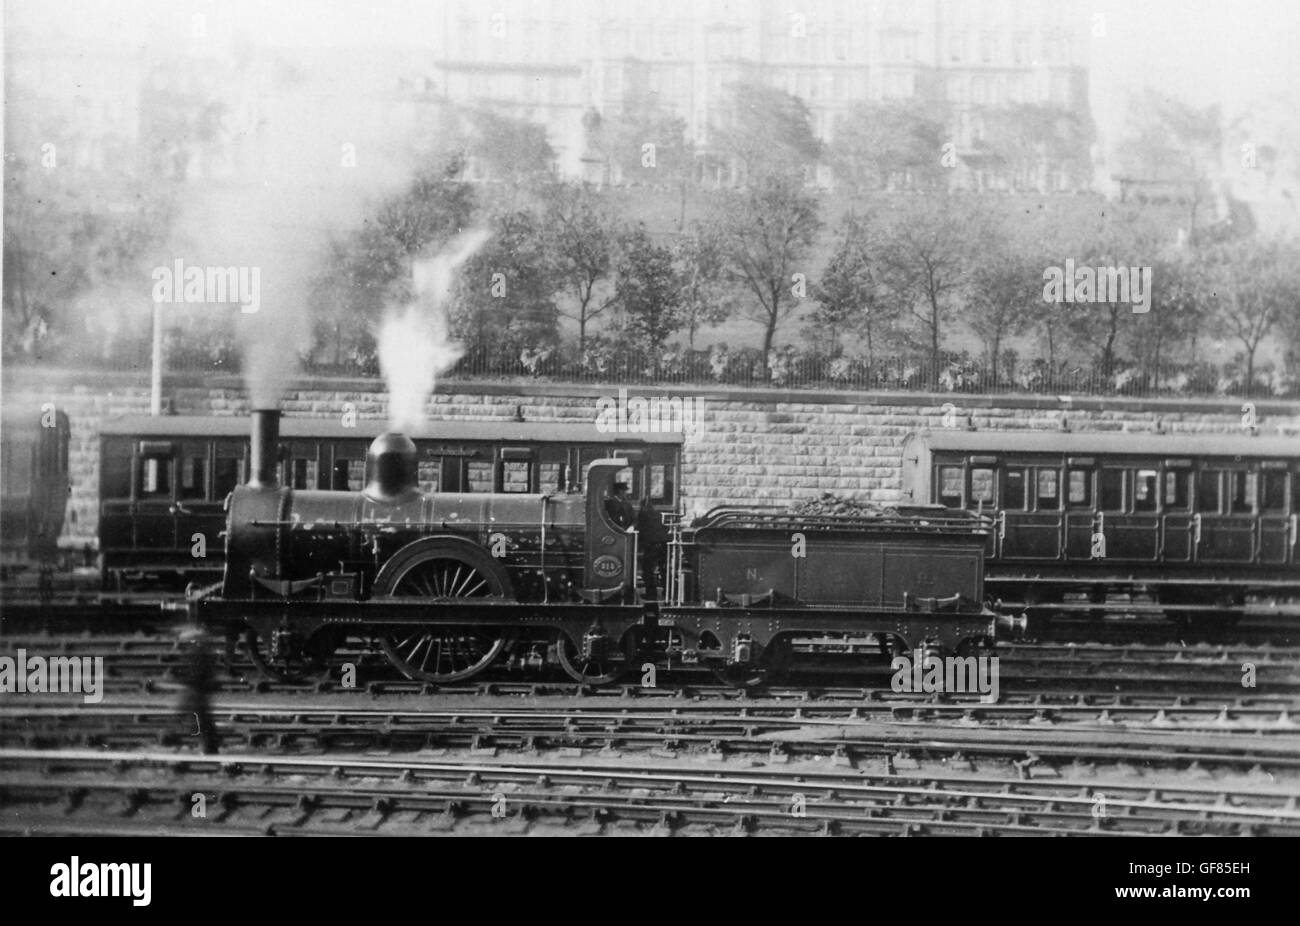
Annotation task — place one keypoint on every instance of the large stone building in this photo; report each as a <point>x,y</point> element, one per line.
<point>553,61</point>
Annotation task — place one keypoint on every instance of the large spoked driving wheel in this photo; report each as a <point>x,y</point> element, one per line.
<point>445,654</point>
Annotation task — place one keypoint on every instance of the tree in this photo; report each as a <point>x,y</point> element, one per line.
<point>579,235</point>
<point>850,297</point>
<point>928,250</point>
<point>1255,285</point>
<point>504,298</point>
<point>505,148</point>
<point>648,291</point>
<point>705,296</point>
<point>1023,139</point>
<point>1179,308</point>
<point>767,231</point>
<point>766,131</point>
<point>1004,292</point>
<point>644,143</point>
<point>1173,149</point>
<point>370,268</point>
<point>892,145</point>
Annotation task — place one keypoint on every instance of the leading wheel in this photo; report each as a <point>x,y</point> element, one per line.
<point>311,664</point>
<point>444,575</point>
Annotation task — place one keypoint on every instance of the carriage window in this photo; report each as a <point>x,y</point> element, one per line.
<point>514,475</point>
<point>628,475</point>
<point>661,483</point>
<point>114,468</point>
<point>155,477</point>
<point>1242,487</point>
<point>348,475</point>
<point>1176,489</point>
<point>1110,490</point>
<point>1048,485</point>
<point>428,472</point>
<point>1013,489</point>
<point>480,476</point>
<point>1079,492</point>
<point>452,478</point>
<point>226,475</point>
<point>1144,491</point>
<point>552,478</point>
<point>302,473</point>
<point>1207,491</point>
<point>950,486</point>
<point>981,487</point>
<point>194,483</point>
<point>1273,494</point>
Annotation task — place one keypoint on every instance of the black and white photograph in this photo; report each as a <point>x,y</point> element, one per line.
<point>741,418</point>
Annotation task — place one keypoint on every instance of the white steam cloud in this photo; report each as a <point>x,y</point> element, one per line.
<point>414,342</point>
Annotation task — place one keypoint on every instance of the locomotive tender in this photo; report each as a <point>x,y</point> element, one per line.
<point>451,582</point>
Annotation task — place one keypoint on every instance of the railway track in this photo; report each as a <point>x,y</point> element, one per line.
<point>120,792</point>
<point>138,662</point>
<point>1244,737</point>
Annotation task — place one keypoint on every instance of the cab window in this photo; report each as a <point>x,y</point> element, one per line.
<point>950,486</point>
<point>1207,491</point>
<point>1013,489</point>
<point>1145,496</point>
<point>1177,493</point>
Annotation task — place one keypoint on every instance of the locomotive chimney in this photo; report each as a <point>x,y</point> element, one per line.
<point>391,468</point>
<point>265,448</point>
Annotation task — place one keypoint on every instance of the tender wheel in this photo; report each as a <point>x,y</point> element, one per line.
<point>443,574</point>
<point>312,664</point>
<point>773,663</point>
<point>603,671</point>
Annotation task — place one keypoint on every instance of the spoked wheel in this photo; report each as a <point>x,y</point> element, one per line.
<point>444,654</point>
<point>603,671</point>
<point>312,664</point>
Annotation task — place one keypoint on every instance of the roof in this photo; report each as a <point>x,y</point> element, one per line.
<point>1112,442</point>
<point>506,429</point>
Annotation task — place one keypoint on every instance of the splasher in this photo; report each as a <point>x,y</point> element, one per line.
<point>414,340</point>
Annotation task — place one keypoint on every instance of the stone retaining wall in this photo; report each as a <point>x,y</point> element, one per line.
<point>757,445</point>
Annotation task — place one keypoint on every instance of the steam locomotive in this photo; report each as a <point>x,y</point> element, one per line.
<point>450,583</point>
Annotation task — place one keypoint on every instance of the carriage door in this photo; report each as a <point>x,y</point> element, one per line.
<point>1276,525</point>
<point>1081,516</point>
<point>154,504</point>
<point>1133,530</point>
<point>197,513</point>
<point>1224,531</point>
<point>1029,522</point>
<point>984,495</point>
<point>1176,503</point>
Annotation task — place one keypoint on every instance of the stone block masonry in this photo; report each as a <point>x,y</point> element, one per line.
<point>757,446</point>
